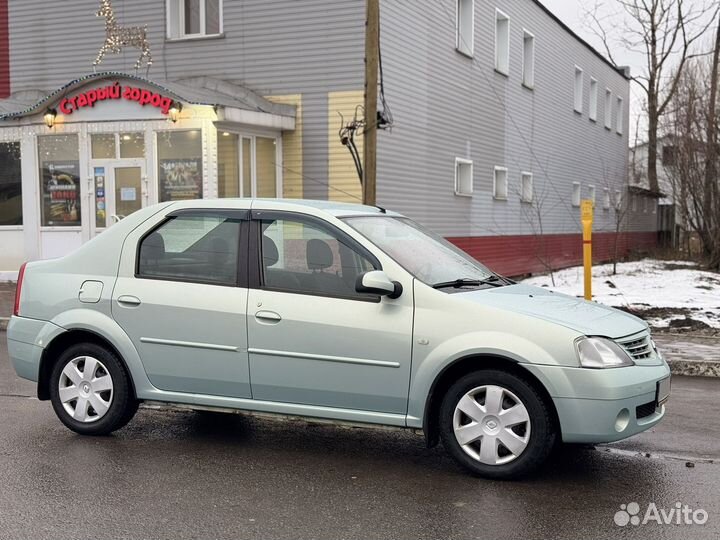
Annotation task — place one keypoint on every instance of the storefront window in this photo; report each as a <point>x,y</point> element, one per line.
<point>228,165</point>
<point>103,145</point>
<point>10,184</point>
<point>132,145</point>
<point>59,180</point>
<point>180,165</point>
<point>265,164</point>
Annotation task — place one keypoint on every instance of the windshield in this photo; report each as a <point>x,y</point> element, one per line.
<point>426,255</point>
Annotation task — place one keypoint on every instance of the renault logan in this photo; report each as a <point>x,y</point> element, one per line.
<point>335,311</point>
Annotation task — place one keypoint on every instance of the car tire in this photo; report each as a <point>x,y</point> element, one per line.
<point>90,390</point>
<point>509,431</point>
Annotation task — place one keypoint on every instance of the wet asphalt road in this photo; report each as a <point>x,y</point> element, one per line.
<point>201,475</point>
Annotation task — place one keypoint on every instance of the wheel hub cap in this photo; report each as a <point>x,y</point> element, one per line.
<point>85,389</point>
<point>492,425</point>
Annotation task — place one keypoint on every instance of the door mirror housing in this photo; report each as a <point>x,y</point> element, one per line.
<point>377,282</point>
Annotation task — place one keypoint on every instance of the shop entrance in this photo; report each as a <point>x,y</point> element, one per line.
<point>119,189</point>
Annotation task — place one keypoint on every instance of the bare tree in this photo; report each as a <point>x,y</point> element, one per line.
<point>535,207</point>
<point>664,32</point>
<point>693,124</point>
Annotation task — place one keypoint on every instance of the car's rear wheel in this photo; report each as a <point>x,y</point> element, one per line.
<point>90,390</point>
<point>496,424</point>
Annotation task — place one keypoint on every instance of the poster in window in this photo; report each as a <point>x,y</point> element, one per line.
<point>180,179</point>
<point>61,193</point>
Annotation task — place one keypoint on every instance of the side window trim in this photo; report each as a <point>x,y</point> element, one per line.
<point>242,216</point>
<point>256,279</point>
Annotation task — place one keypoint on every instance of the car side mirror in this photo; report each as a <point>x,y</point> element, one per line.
<point>377,282</point>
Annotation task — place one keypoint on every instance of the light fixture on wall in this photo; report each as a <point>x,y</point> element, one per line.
<point>49,117</point>
<point>175,111</point>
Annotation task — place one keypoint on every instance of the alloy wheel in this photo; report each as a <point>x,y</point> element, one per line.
<point>491,425</point>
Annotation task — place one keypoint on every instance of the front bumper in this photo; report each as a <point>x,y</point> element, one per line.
<point>601,405</point>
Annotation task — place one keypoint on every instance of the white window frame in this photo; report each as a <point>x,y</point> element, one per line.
<point>618,200</point>
<point>576,194</point>
<point>527,195</point>
<point>633,201</point>
<point>504,171</point>
<point>619,115</point>
<point>579,90</point>
<point>463,190</point>
<point>464,44</point>
<point>591,193</point>
<point>175,26</point>
<point>502,65</point>
<point>654,205</point>
<point>528,64</point>
<point>592,111</point>
<point>606,199</point>
<point>608,108</point>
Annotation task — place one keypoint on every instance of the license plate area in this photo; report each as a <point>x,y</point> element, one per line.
<point>663,391</point>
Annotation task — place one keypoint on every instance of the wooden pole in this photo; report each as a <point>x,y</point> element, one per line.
<point>372,56</point>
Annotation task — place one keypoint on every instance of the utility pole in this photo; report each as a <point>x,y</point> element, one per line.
<point>372,57</point>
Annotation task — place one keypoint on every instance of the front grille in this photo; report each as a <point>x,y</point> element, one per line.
<point>638,348</point>
<point>644,410</point>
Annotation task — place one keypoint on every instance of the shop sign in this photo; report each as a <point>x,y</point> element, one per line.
<point>114,92</point>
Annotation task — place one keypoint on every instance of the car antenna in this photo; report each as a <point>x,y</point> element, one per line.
<point>382,210</point>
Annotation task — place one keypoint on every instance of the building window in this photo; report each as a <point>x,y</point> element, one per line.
<point>618,200</point>
<point>502,42</point>
<point>463,177</point>
<point>194,18</point>
<point>576,194</point>
<point>591,194</point>
<point>633,202</point>
<point>669,155</point>
<point>247,165</point>
<point>619,116</point>
<point>654,205</point>
<point>465,26</point>
<point>201,249</point>
<point>59,160</point>
<point>180,165</point>
<point>578,90</point>
<point>500,183</point>
<point>608,108</point>
<point>606,199</point>
<point>592,113</point>
<point>528,72</point>
<point>10,184</point>
<point>526,187</point>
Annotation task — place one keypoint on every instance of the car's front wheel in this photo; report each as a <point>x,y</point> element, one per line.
<point>90,390</point>
<point>496,424</point>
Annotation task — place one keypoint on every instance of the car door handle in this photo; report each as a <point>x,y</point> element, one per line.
<point>128,300</point>
<point>268,316</point>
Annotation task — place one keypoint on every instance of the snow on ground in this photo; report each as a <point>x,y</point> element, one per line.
<point>665,293</point>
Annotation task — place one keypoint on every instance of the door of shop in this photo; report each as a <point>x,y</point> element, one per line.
<point>119,189</point>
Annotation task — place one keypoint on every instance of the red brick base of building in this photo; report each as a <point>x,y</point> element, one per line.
<point>530,254</point>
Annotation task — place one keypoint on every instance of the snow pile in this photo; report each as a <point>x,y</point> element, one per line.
<point>659,291</point>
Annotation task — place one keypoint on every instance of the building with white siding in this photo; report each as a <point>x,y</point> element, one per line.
<point>503,119</point>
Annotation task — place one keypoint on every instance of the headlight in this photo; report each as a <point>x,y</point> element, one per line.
<point>598,353</point>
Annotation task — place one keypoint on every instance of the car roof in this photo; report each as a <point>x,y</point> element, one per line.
<point>333,208</point>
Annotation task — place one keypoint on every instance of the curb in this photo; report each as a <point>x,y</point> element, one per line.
<point>694,368</point>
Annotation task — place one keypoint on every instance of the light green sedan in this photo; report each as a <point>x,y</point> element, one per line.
<point>330,311</point>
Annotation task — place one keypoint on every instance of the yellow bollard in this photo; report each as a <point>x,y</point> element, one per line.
<point>586,216</point>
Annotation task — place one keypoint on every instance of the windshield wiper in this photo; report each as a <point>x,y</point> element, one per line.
<point>463,282</point>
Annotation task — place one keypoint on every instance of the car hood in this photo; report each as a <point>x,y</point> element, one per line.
<point>588,318</point>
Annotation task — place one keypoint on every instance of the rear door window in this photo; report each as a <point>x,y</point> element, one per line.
<point>198,248</point>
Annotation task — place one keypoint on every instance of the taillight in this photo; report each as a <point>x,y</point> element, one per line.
<point>18,290</point>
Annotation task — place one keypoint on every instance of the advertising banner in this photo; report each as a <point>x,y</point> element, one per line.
<point>180,179</point>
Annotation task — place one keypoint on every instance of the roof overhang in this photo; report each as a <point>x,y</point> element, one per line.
<point>232,103</point>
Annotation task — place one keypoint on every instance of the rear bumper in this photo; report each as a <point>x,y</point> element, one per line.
<point>26,339</point>
<point>596,406</point>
